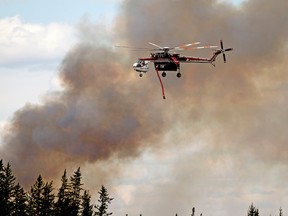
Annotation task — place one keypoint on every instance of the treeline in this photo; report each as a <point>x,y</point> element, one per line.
<point>253,211</point>
<point>70,199</point>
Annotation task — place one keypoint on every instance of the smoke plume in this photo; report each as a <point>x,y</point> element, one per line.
<point>231,119</point>
<point>101,113</point>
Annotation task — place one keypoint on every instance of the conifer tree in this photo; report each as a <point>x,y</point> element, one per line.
<point>47,200</point>
<point>7,186</point>
<point>2,177</point>
<point>75,192</point>
<point>41,199</point>
<point>87,208</point>
<point>35,197</point>
<point>63,202</point>
<point>252,211</point>
<point>20,199</point>
<point>104,200</point>
<point>280,212</point>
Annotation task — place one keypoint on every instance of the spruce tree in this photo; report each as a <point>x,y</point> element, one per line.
<point>104,200</point>
<point>20,199</point>
<point>2,177</point>
<point>87,208</point>
<point>63,202</point>
<point>41,198</point>
<point>47,200</point>
<point>75,192</point>
<point>7,187</point>
<point>252,211</point>
<point>280,212</point>
<point>35,197</point>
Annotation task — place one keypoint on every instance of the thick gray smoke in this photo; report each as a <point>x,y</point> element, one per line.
<point>237,111</point>
<point>239,96</point>
<point>234,116</point>
<point>101,113</point>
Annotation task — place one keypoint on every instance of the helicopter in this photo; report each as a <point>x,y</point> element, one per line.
<point>165,61</point>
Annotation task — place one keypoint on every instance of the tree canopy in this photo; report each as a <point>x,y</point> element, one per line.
<point>70,199</point>
<point>104,201</point>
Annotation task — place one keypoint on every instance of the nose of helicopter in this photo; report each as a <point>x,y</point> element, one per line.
<point>136,66</point>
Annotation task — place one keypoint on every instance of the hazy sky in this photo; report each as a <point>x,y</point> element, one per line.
<point>219,141</point>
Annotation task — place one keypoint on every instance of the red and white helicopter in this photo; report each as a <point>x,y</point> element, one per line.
<point>166,61</point>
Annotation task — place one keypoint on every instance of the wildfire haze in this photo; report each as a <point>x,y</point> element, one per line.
<point>219,141</point>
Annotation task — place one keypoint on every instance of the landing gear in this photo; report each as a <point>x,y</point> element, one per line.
<point>164,74</point>
<point>178,71</point>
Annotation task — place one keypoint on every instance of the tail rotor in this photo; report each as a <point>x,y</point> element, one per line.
<point>224,50</point>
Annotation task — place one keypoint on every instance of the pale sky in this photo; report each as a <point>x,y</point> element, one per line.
<point>25,74</point>
<point>45,12</point>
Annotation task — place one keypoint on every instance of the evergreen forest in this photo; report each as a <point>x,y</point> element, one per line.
<point>42,199</point>
<point>69,200</point>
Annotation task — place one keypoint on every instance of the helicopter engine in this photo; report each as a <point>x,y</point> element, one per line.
<point>166,66</point>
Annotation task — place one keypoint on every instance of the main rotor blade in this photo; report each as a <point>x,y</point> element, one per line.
<point>156,45</point>
<point>128,47</point>
<point>185,46</point>
<point>201,47</point>
<point>136,48</point>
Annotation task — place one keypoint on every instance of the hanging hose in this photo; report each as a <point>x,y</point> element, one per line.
<point>162,86</point>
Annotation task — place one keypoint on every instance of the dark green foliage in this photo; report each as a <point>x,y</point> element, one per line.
<point>41,201</point>
<point>47,200</point>
<point>35,197</point>
<point>87,208</point>
<point>252,211</point>
<point>40,198</point>
<point>63,202</point>
<point>2,178</point>
<point>75,190</point>
<point>7,186</point>
<point>20,199</point>
<point>104,200</point>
